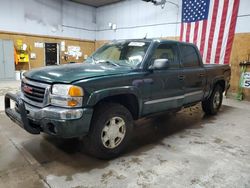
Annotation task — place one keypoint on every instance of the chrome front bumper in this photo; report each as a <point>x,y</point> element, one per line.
<point>51,112</point>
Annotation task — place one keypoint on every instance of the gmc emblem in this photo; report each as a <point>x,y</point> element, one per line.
<point>27,89</point>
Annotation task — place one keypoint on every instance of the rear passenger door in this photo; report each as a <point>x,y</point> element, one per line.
<point>193,74</point>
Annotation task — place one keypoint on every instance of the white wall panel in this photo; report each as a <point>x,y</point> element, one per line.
<point>135,19</point>
<point>243,21</point>
<point>46,17</point>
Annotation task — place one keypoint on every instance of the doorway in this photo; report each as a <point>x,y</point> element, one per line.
<point>51,54</point>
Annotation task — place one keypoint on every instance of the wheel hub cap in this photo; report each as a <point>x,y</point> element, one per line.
<point>113,132</point>
<point>216,101</point>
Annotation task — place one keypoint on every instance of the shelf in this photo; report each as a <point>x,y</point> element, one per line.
<point>245,64</point>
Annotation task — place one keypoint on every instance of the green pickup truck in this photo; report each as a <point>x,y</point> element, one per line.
<point>123,81</point>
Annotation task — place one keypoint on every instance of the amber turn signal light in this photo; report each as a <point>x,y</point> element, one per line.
<point>75,91</point>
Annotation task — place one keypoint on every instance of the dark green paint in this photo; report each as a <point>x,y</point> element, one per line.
<point>72,72</point>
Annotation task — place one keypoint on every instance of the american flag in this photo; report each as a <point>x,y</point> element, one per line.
<point>210,24</point>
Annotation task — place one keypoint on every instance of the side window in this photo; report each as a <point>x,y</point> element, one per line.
<point>167,51</point>
<point>189,56</point>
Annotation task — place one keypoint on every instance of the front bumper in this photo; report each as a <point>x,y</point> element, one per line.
<point>60,122</point>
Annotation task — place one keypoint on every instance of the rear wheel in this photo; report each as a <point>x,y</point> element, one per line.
<point>110,132</point>
<point>212,105</point>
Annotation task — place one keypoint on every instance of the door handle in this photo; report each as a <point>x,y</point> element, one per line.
<point>181,77</point>
<point>201,75</point>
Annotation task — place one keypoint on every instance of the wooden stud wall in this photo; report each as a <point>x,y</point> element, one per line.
<point>87,47</point>
<point>240,52</point>
<point>100,43</point>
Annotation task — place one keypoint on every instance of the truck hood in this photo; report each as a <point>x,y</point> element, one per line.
<point>73,72</point>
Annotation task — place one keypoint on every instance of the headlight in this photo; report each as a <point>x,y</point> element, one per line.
<point>66,95</point>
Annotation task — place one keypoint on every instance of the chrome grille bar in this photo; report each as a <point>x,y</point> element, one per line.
<point>35,93</point>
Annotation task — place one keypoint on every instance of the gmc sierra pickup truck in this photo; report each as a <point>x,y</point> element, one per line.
<point>98,100</point>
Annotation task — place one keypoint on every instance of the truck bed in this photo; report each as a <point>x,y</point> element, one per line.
<point>216,72</point>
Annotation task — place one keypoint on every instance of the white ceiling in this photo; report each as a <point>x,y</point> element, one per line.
<point>96,3</point>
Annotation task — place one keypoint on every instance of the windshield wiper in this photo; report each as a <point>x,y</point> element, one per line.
<point>96,61</point>
<point>105,61</point>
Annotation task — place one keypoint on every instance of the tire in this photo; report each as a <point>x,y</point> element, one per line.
<point>212,105</point>
<point>110,132</point>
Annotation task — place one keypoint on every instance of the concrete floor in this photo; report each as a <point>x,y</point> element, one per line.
<point>187,149</point>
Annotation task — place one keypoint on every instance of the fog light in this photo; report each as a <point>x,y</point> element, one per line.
<point>72,103</point>
<point>71,114</point>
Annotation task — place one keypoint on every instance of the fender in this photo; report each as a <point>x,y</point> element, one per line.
<point>212,84</point>
<point>98,95</point>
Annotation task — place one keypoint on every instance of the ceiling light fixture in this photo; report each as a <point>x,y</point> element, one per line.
<point>162,3</point>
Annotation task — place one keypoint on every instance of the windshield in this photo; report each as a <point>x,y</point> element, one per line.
<point>120,54</point>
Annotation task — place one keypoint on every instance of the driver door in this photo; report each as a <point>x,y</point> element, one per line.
<point>166,89</point>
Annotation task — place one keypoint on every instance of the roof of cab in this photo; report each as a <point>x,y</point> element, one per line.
<point>151,40</point>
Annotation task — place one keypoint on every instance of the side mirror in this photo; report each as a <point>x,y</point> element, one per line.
<point>160,64</point>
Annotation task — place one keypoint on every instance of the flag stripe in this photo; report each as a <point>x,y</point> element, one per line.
<point>191,38</point>
<point>199,34</point>
<point>221,32</point>
<point>212,29</point>
<point>188,32</point>
<point>184,32</point>
<point>196,27</point>
<point>181,38</point>
<point>208,33</point>
<point>231,32</point>
<point>227,27</point>
<point>203,36</point>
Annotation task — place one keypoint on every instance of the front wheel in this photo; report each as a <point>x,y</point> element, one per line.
<point>110,132</point>
<point>212,105</point>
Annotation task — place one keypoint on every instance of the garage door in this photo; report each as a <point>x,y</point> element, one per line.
<point>7,66</point>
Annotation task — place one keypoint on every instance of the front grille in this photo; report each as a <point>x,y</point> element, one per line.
<point>33,91</point>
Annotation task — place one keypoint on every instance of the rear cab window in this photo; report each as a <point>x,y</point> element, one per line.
<point>190,57</point>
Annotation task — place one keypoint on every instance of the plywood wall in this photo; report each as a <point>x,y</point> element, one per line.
<point>87,47</point>
<point>240,52</point>
<point>100,43</point>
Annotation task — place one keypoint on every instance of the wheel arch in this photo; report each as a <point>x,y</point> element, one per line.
<point>221,83</point>
<point>126,96</point>
<point>218,81</point>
